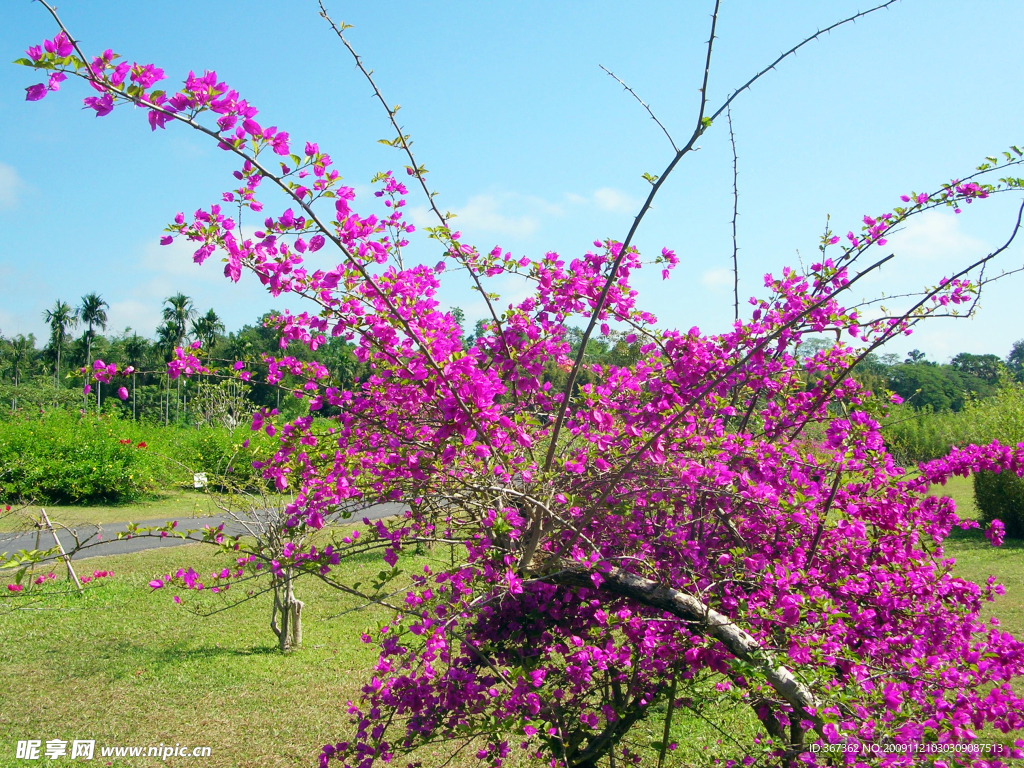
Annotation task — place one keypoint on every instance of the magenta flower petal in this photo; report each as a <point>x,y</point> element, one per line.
<point>35,92</point>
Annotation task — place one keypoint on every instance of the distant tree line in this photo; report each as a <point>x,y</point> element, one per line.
<point>48,376</point>
<point>33,376</point>
<point>928,385</point>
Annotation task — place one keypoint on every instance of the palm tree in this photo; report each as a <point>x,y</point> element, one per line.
<point>92,312</point>
<point>20,356</point>
<point>206,329</point>
<point>178,311</point>
<point>22,348</point>
<point>166,341</point>
<point>61,318</point>
<point>135,350</point>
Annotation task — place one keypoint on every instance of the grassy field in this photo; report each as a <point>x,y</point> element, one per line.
<point>126,667</point>
<point>976,559</point>
<point>171,505</point>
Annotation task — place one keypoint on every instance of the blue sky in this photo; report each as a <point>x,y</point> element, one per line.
<point>529,141</point>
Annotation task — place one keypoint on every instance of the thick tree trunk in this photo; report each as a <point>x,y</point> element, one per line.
<point>707,621</point>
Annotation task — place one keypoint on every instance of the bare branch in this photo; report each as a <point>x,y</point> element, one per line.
<point>793,50</point>
<point>599,307</point>
<point>306,206</point>
<point>402,140</point>
<point>643,104</point>
<point>706,620</point>
<point>403,143</point>
<point>703,123</point>
<point>735,215</point>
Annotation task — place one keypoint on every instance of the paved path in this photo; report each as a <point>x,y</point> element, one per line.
<point>111,545</point>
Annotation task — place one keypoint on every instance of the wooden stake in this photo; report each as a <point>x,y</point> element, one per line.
<point>67,560</point>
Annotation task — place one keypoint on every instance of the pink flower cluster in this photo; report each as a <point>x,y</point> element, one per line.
<point>596,545</point>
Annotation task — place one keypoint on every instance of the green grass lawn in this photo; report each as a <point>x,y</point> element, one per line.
<point>175,504</point>
<point>170,504</point>
<point>976,559</point>
<point>126,667</point>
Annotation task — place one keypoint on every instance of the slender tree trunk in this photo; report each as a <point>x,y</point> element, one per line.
<point>88,369</point>
<point>135,414</point>
<point>289,632</point>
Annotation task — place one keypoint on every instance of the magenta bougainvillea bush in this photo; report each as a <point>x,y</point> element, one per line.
<point>716,524</point>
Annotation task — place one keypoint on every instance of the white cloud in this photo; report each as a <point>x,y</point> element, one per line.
<point>141,316</point>
<point>512,214</point>
<point>175,260</point>
<point>615,201</point>
<point>482,213</point>
<point>420,216</point>
<point>493,213</point>
<point>10,185</point>
<point>717,279</point>
<point>936,237</point>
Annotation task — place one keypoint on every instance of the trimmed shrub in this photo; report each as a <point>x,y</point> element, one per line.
<point>218,452</point>
<point>62,458</point>
<point>1001,496</point>
<point>66,458</point>
<point>917,435</point>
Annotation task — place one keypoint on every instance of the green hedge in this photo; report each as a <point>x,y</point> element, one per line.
<point>62,458</point>
<point>1001,496</point>
<point>67,458</point>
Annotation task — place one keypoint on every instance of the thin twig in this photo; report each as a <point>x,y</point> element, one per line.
<point>703,123</point>
<point>643,104</point>
<point>735,215</point>
<point>402,138</point>
<point>418,171</point>
<point>306,206</point>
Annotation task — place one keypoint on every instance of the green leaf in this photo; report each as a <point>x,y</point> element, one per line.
<point>25,62</point>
